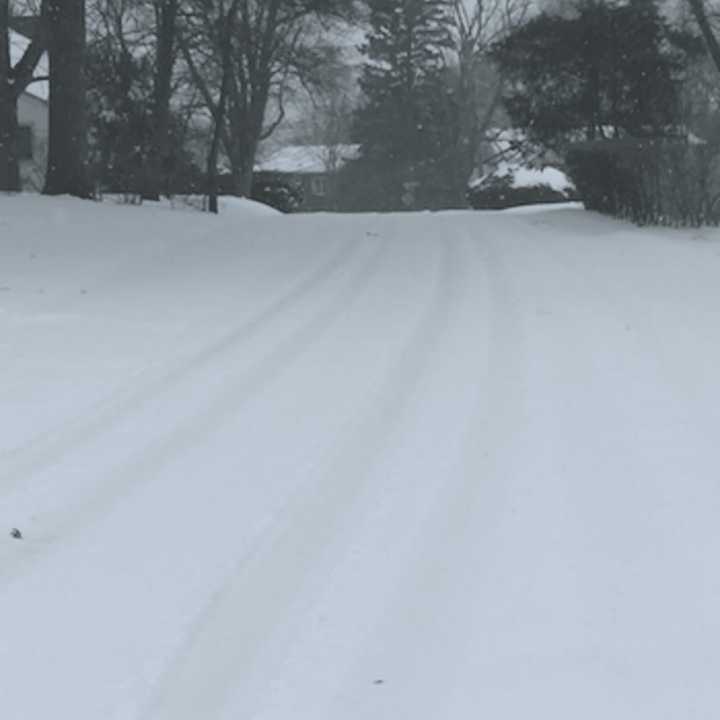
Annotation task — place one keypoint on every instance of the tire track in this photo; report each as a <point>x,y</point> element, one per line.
<point>424,543</point>
<point>236,631</point>
<point>48,449</point>
<point>440,552</point>
<point>125,478</point>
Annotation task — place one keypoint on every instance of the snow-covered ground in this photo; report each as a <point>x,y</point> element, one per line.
<point>402,467</point>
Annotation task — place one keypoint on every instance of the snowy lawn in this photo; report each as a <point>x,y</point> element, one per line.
<point>402,467</point>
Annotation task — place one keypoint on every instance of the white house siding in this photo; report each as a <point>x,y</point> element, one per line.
<point>32,113</point>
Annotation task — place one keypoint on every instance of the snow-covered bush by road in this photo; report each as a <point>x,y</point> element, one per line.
<point>515,184</point>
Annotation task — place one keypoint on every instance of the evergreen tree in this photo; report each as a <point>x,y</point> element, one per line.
<point>121,124</point>
<point>404,124</point>
<point>119,115</point>
<point>608,70</point>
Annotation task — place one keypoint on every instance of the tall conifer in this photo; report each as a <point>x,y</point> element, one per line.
<point>403,126</point>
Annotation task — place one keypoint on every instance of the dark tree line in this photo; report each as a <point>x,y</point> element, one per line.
<point>431,92</point>
<point>613,89</point>
<point>621,75</point>
<point>606,71</point>
<point>140,88</point>
<point>123,90</point>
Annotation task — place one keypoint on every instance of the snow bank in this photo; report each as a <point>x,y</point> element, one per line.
<point>542,208</point>
<point>239,206</point>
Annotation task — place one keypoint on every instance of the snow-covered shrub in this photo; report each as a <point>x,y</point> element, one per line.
<point>510,185</point>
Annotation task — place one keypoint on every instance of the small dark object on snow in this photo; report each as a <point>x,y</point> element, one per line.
<point>15,533</point>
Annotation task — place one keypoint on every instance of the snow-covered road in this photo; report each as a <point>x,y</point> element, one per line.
<point>422,466</point>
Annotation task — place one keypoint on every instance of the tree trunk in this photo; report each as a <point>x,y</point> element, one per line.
<point>160,152</point>
<point>9,163</point>
<point>9,173</point>
<point>212,188</point>
<point>466,140</point>
<point>241,154</point>
<point>245,168</point>
<point>245,131</point>
<point>221,110</point>
<point>67,151</point>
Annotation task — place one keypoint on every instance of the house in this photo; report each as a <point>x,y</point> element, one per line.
<point>32,118</point>
<point>311,168</point>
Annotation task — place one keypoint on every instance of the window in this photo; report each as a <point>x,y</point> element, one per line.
<point>318,186</point>
<point>25,142</point>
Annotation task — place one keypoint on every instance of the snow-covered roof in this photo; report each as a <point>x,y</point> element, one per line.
<point>18,45</point>
<point>308,159</point>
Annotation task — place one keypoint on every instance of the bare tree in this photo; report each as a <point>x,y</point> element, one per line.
<point>166,12</point>
<point>477,25</point>
<point>324,111</point>
<point>274,43</point>
<point>226,29</point>
<point>141,37</point>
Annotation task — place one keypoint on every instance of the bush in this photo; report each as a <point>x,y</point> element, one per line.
<point>668,181</point>
<point>513,186</point>
<point>282,195</point>
<point>285,197</point>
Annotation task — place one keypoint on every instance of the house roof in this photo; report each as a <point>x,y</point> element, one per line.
<point>308,159</point>
<point>18,45</point>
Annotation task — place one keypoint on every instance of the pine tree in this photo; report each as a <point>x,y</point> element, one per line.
<point>606,71</point>
<point>403,125</point>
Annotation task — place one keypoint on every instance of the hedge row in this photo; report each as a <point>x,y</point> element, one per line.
<point>649,181</point>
